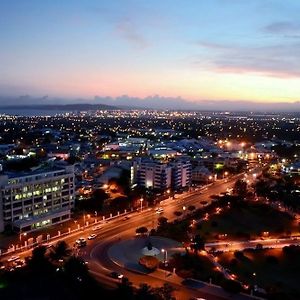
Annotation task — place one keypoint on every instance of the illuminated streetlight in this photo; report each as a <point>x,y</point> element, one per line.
<point>141,200</point>
<point>165,252</point>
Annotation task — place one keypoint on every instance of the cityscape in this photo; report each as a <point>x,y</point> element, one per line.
<point>149,150</point>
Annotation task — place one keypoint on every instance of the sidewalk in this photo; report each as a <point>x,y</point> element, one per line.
<point>201,286</point>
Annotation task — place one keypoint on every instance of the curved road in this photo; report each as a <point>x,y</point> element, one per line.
<point>95,253</point>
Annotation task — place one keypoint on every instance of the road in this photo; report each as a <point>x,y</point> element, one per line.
<point>240,245</point>
<point>95,253</point>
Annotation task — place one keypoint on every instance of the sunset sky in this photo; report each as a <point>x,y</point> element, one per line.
<point>195,49</point>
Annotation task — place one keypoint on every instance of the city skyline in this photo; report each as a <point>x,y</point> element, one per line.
<point>195,51</point>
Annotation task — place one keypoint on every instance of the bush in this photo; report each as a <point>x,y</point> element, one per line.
<point>239,254</point>
<point>141,230</point>
<point>191,207</point>
<point>272,260</point>
<point>149,262</point>
<point>214,224</point>
<point>231,286</point>
<point>233,262</point>
<point>177,213</point>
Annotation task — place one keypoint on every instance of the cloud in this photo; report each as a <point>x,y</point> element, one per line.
<point>281,60</point>
<point>285,28</point>
<point>127,30</point>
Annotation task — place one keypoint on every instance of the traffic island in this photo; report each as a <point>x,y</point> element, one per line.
<point>128,253</point>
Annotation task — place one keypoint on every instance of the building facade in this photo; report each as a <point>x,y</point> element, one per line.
<point>40,198</point>
<point>181,174</point>
<point>154,174</point>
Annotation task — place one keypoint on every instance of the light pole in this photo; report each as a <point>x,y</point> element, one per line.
<point>24,234</point>
<point>165,252</point>
<point>141,200</point>
<point>184,209</point>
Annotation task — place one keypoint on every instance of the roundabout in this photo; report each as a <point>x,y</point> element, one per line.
<point>127,253</point>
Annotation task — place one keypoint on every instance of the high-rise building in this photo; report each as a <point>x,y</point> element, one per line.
<point>157,175</point>
<point>181,173</point>
<point>154,174</point>
<point>35,199</point>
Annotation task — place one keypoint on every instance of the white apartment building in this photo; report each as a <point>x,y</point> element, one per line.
<point>181,173</point>
<point>155,175</point>
<point>36,199</point>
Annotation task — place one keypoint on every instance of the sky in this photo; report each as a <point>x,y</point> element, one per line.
<point>213,50</point>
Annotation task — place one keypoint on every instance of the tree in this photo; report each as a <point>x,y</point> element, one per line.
<point>162,221</point>
<point>125,290</point>
<point>76,269</point>
<point>197,243</point>
<point>240,188</point>
<point>191,208</point>
<point>177,213</point>
<point>165,292</point>
<point>145,292</point>
<point>60,251</point>
<point>39,261</point>
<point>141,230</point>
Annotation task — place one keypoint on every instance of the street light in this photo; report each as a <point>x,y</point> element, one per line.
<point>24,234</point>
<point>165,252</point>
<point>184,209</point>
<point>141,200</point>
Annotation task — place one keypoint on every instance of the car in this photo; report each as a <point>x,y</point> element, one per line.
<point>18,266</point>
<point>116,275</point>
<point>97,227</point>
<point>92,236</point>
<point>159,210</point>
<point>81,242</point>
<point>13,258</point>
<point>126,218</point>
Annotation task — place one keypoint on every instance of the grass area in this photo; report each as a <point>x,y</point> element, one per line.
<point>248,220</point>
<point>276,271</point>
<point>197,266</point>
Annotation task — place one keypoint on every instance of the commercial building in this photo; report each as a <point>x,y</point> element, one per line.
<point>35,199</point>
